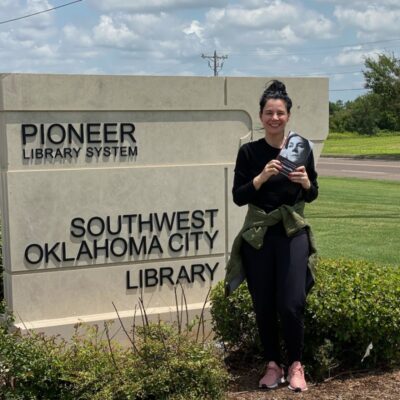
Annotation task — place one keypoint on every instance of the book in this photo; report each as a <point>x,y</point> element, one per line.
<point>294,153</point>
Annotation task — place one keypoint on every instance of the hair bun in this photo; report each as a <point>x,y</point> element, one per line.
<point>276,87</point>
<point>275,90</point>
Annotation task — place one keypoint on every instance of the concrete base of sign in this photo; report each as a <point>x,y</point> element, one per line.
<point>193,318</point>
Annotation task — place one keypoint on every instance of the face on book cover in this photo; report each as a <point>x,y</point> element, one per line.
<point>275,117</point>
<point>295,148</point>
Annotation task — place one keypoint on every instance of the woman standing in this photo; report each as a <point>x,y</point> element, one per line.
<point>278,262</point>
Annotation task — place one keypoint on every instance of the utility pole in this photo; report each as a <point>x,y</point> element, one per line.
<point>215,62</point>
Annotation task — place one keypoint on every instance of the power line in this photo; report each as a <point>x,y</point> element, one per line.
<point>337,73</point>
<point>318,49</point>
<point>344,90</point>
<point>318,74</point>
<point>217,62</point>
<point>39,12</point>
<point>314,71</point>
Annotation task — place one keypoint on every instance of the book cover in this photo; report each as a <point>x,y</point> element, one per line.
<point>294,153</point>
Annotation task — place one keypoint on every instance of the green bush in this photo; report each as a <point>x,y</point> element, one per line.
<point>352,305</point>
<point>160,364</point>
<point>30,366</point>
<point>233,319</point>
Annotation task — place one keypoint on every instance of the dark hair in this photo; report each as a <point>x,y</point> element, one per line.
<point>276,90</point>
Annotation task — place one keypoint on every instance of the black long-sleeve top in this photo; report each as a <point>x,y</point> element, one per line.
<point>277,190</point>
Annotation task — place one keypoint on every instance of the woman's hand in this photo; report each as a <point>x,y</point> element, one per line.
<point>299,175</point>
<point>271,168</point>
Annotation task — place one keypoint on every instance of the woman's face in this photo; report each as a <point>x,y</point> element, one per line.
<point>274,117</point>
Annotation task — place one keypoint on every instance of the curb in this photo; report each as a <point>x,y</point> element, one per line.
<point>363,157</point>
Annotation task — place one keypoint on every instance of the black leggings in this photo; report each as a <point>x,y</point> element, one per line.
<point>276,277</point>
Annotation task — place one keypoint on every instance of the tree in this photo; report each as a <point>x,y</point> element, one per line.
<point>363,114</point>
<point>335,107</point>
<point>382,76</point>
<point>338,116</point>
<point>360,115</point>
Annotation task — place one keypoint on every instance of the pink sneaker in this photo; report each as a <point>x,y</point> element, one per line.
<point>296,379</point>
<point>274,375</point>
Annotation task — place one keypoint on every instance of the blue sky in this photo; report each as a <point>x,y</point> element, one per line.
<point>167,37</point>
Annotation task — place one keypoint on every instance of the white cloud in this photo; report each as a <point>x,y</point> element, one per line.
<point>45,51</point>
<point>20,37</point>
<point>77,36</point>
<point>148,25</point>
<point>275,14</point>
<point>272,52</point>
<point>318,27</point>
<point>154,5</point>
<point>377,20</point>
<point>39,26</point>
<point>351,56</point>
<point>110,32</point>
<point>288,35</point>
<point>294,59</point>
<point>194,29</point>
<point>362,3</point>
<point>6,3</point>
<point>371,19</point>
<point>39,21</point>
<point>39,43</point>
<point>146,34</point>
<point>274,21</point>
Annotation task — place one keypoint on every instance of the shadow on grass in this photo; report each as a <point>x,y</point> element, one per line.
<point>354,216</point>
<point>387,157</point>
<point>395,156</point>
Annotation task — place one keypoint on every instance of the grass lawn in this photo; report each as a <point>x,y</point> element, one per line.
<point>352,144</point>
<point>357,219</point>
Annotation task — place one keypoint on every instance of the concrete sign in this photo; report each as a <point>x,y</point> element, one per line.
<point>115,187</point>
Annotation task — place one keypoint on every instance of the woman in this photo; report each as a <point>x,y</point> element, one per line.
<point>278,263</point>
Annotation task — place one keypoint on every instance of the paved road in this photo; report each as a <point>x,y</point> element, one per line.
<point>347,167</point>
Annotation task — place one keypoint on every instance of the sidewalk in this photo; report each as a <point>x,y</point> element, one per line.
<point>359,168</point>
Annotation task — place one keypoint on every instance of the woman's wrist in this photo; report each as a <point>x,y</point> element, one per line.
<point>306,185</point>
<point>257,182</point>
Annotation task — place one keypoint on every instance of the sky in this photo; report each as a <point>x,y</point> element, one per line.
<point>267,38</point>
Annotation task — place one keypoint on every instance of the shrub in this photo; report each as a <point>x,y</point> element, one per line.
<point>30,368</point>
<point>233,319</point>
<point>160,364</point>
<point>352,305</point>
<point>179,365</point>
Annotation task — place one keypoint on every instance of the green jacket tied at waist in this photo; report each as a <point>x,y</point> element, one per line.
<point>253,231</point>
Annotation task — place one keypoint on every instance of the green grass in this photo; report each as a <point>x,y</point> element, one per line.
<point>357,219</point>
<point>352,144</point>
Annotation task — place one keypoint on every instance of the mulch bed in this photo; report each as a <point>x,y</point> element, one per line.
<point>371,385</point>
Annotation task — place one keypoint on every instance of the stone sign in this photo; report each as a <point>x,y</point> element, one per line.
<point>119,187</point>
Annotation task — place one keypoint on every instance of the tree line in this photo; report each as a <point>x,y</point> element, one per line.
<point>377,110</point>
